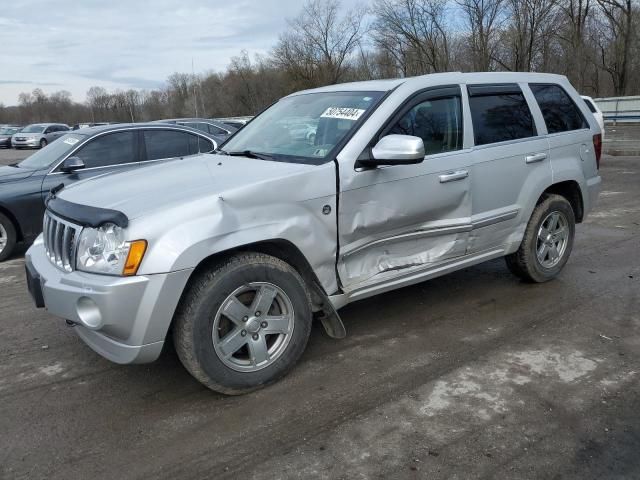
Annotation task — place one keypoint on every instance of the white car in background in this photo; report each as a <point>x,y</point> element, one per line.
<point>596,112</point>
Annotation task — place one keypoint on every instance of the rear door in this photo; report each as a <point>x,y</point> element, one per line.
<point>510,162</point>
<point>396,220</point>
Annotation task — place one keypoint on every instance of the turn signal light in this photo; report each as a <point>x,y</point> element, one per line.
<point>134,259</point>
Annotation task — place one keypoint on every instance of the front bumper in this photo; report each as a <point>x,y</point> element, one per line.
<point>30,142</point>
<point>124,319</point>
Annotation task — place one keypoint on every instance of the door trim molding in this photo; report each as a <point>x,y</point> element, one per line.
<point>414,276</point>
<point>424,233</point>
<point>501,217</point>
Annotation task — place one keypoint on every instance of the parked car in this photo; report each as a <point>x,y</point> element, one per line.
<point>597,113</point>
<point>80,155</point>
<point>79,126</point>
<point>39,135</point>
<point>235,122</point>
<point>236,251</point>
<point>217,130</point>
<point>6,132</point>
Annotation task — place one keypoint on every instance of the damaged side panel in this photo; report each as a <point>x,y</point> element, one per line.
<point>403,218</point>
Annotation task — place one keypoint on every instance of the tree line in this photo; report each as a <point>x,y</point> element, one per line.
<point>595,43</point>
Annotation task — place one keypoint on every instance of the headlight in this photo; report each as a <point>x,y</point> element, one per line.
<point>104,250</point>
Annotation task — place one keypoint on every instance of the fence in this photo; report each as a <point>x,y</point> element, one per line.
<point>620,109</point>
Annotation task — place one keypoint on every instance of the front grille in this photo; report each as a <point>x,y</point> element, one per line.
<point>60,241</point>
<point>21,139</point>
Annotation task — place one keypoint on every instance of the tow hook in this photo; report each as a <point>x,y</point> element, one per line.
<point>70,323</point>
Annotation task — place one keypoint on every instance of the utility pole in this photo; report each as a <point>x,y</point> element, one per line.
<point>195,96</point>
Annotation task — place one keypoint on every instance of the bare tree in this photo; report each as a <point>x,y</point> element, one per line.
<point>615,45</point>
<point>415,33</point>
<point>483,19</point>
<point>320,41</point>
<point>528,32</point>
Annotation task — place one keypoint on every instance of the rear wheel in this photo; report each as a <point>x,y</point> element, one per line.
<point>7,237</point>
<point>547,241</point>
<point>243,323</point>
<point>43,143</point>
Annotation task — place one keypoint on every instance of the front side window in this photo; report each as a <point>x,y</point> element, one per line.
<point>499,114</point>
<point>109,149</point>
<point>161,144</point>
<point>559,112</point>
<point>438,122</point>
<point>330,116</point>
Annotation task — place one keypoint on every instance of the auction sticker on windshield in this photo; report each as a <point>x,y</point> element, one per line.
<point>71,141</point>
<point>343,113</point>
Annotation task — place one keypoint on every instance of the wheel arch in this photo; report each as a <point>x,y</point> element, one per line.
<point>291,254</point>
<point>569,189</point>
<point>12,218</point>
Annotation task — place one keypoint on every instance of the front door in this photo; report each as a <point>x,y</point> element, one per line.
<point>396,220</point>
<point>102,154</point>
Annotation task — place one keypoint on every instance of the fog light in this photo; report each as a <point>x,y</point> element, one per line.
<point>89,313</point>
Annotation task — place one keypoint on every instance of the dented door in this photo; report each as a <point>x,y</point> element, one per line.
<point>396,220</point>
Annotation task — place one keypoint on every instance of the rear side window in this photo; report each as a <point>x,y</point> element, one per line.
<point>110,149</point>
<point>500,113</point>
<point>590,105</point>
<point>169,144</point>
<point>559,112</point>
<point>438,122</point>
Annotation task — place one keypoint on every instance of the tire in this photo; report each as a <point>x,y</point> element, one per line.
<point>7,237</point>
<point>43,143</point>
<point>536,260</point>
<point>202,331</point>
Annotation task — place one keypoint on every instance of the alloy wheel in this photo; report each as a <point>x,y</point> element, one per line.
<point>4,238</point>
<point>253,326</point>
<point>553,236</point>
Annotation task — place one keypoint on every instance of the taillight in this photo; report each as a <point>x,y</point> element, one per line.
<point>597,148</point>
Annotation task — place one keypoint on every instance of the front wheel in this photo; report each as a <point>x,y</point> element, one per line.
<point>7,237</point>
<point>547,241</point>
<point>243,323</point>
<point>43,143</point>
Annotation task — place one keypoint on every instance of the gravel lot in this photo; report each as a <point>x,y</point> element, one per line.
<point>472,375</point>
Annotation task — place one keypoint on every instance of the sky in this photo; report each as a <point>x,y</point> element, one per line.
<point>119,44</point>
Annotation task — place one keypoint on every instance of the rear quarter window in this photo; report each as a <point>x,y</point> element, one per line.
<point>558,110</point>
<point>499,114</point>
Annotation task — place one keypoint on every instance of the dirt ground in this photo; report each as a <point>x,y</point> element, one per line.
<point>472,375</point>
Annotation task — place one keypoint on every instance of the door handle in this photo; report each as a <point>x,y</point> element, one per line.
<point>453,176</point>
<point>536,157</point>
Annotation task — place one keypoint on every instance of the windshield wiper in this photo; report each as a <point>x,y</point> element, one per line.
<point>251,154</point>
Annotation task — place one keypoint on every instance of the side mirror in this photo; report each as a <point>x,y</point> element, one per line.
<point>72,164</point>
<point>395,150</point>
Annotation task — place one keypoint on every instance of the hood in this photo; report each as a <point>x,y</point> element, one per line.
<point>166,184</point>
<point>10,174</point>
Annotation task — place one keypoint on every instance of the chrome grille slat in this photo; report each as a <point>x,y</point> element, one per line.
<point>60,241</point>
<point>57,243</point>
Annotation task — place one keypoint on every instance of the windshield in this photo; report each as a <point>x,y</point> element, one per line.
<point>33,129</point>
<point>8,130</point>
<point>303,128</point>
<point>51,153</point>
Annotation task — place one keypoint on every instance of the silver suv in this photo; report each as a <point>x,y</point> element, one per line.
<point>235,253</point>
